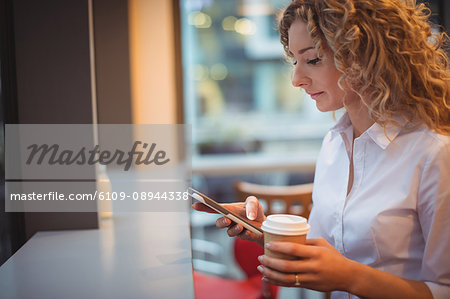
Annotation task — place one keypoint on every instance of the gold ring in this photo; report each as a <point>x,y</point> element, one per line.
<point>297,283</point>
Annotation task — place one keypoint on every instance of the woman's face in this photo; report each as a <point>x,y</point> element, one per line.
<point>317,76</point>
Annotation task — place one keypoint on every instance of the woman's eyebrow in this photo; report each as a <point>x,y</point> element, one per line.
<point>301,51</point>
<point>304,50</point>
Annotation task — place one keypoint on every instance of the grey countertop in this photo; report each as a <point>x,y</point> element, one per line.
<point>134,255</point>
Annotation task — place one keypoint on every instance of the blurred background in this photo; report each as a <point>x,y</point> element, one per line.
<point>247,119</point>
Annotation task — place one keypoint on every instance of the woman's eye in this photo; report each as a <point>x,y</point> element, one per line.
<point>313,61</point>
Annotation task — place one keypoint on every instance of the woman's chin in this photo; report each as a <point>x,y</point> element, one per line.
<point>322,108</point>
<point>327,108</point>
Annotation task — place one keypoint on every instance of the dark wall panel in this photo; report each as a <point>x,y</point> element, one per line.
<point>53,80</point>
<point>12,230</point>
<point>52,54</point>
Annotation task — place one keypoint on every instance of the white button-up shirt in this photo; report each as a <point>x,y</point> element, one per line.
<point>396,217</point>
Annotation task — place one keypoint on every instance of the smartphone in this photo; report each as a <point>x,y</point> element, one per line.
<point>224,211</point>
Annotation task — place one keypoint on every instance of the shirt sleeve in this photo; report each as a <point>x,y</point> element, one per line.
<point>434,216</point>
<point>439,291</point>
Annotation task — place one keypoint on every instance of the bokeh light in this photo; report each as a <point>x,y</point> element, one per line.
<point>199,19</point>
<point>218,71</point>
<point>245,26</point>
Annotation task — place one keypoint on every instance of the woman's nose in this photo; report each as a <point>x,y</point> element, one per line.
<point>299,78</point>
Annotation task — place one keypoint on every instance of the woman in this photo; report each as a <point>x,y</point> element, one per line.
<point>380,223</point>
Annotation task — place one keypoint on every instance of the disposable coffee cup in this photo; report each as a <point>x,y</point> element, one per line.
<point>284,228</point>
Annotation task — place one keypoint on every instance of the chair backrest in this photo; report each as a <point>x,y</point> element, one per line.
<point>296,199</point>
<point>246,255</point>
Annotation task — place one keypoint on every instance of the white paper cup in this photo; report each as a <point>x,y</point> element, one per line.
<point>284,228</point>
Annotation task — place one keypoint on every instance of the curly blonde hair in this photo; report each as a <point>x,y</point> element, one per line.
<point>387,53</point>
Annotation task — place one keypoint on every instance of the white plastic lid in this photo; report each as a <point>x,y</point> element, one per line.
<point>284,224</point>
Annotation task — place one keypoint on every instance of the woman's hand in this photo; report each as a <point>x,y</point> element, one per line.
<point>250,209</point>
<point>321,268</point>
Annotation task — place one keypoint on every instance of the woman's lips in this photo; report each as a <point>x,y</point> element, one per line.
<point>314,96</point>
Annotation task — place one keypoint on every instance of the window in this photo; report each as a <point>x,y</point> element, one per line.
<point>238,93</point>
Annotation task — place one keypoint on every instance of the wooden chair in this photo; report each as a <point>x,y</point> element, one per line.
<point>296,199</point>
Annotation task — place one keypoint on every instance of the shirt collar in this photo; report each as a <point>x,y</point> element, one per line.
<point>342,124</point>
<point>381,136</point>
<point>384,136</point>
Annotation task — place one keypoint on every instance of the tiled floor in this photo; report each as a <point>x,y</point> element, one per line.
<point>205,229</point>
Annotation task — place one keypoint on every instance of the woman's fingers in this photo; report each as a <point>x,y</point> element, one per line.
<point>304,281</point>
<point>287,266</point>
<point>317,269</point>
<point>287,279</point>
<point>251,207</point>
<point>236,207</point>
<point>295,249</point>
<point>244,209</point>
<point>234,230</point>
<point>248,235</point>
<point>223,222</point>
<point>317,242</point>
